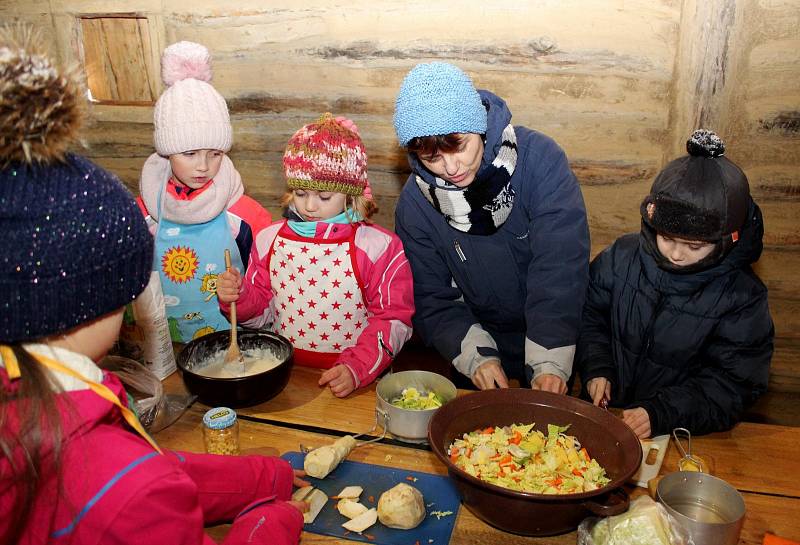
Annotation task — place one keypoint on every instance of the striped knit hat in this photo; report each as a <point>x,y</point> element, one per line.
<point>326,156</point>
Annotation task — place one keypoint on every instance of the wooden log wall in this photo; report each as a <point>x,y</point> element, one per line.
<point>618,83</point>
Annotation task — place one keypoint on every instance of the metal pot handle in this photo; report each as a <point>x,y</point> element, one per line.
<point>611,506</point>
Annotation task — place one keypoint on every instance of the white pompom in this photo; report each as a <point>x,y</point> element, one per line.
<point>183,60</point>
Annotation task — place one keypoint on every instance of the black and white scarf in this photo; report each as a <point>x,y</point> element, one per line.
<point>484,205</point>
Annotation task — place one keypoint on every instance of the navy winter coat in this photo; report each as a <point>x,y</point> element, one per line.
<point>692,349</point>
<point>516,294</point>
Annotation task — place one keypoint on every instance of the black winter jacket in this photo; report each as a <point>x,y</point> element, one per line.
<point>692,349</point>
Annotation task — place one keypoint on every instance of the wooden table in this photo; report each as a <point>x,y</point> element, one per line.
<point>759,460</point>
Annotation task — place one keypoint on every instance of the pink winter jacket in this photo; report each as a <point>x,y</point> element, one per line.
<point>384,279</point>
<point>117,490</point>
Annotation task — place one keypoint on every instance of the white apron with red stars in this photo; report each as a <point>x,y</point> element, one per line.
<point>318,303</point>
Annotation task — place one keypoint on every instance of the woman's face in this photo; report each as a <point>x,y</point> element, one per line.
<point>458,167</point>
<point>682,252</point>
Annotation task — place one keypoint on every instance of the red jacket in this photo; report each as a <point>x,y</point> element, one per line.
<point>117,490</point>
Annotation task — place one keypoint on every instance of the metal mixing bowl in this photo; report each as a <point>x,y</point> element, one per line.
<point>410,425</point>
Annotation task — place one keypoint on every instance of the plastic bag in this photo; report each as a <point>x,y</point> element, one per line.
<point>145,335</point>
<point>644,523</point>
<point>155,410</point>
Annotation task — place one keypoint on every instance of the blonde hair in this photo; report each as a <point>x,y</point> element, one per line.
<point>366,208</point>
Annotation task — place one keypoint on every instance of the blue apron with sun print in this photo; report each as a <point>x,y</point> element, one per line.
<point>188,259</point>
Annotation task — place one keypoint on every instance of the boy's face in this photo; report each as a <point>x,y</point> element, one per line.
<point>195,168</point>
<point>459,167</point>
<point>682,252</point>
<point>318,205</point>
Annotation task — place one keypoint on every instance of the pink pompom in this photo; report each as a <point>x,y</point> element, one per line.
<point>184,60</point>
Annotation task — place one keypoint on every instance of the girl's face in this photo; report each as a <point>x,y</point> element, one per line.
<point>682,252</point>
<point>318,205</point>
<point>458,167</point>
<point>195,168</point>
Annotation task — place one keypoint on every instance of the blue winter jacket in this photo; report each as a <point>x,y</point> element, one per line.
<point>516,294</point>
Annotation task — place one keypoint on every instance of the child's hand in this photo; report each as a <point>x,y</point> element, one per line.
<point>298,481</point>
<point>339,379</point>
<point>549,383</point>
<point>228,285</point>
<point>638,420</point>
<point>599,388</point>
<point>302,506</point>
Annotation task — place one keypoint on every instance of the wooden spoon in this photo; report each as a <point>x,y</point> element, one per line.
<point>234,355</point>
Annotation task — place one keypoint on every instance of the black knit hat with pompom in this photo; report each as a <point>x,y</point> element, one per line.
<point>73,244</point>
<point>701,196</point>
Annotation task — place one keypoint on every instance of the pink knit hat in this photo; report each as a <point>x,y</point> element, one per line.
<point>327,155</point>
<point>190,114</point>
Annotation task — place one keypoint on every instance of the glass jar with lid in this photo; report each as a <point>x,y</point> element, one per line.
<point>221,431</point>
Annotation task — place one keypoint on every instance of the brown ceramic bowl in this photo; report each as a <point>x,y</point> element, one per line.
<point>236,392</point>
<point>605,436</point>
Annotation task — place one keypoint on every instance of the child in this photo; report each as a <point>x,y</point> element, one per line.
<point>337,286</point>
<point>192,196</point>
<point>676,327</point>
<point>75,251</point>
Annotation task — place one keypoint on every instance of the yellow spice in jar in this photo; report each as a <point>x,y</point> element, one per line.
<point>221,431</point>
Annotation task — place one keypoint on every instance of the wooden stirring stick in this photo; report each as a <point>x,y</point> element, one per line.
<point>233,354</point>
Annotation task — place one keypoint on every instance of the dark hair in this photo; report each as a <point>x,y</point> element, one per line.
<point>32,444</point>
<point>428,146</point>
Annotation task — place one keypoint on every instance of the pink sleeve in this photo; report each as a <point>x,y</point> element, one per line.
<point>256,216</point>
<point>253,306</point>
<point>226,484</point>
<point>384,269</point>
<point>271,523</point>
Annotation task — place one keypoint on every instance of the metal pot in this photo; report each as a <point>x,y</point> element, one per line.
<point>711,510</point>
<point>239,391</point>
<point>405,424</point>
<point>605,436</point>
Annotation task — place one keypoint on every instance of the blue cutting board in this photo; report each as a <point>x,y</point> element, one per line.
<point>439,492</point>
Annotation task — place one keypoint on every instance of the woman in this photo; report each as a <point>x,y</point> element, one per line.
<point>494,226</point>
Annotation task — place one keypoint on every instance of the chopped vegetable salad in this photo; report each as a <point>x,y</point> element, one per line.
<point>521,458</point>
<point>413,399</point>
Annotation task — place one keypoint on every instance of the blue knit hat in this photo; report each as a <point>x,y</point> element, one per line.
<point>437,98</point>
<point>73,244</point>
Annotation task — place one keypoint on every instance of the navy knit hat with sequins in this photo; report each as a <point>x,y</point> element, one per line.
<point>73,243</point>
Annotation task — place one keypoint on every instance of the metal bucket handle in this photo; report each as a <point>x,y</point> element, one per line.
<point>379,413</point>
<point>610,506</point>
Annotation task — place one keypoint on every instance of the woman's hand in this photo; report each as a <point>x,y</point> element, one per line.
<point>599,388</point>
<point>638,420</point>
<point>339,379</point>
<point>488,374</point>
<point>549,383</point>
<point>228,285</point>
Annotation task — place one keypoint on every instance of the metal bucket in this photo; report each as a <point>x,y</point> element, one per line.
<point>711,510</point>
<point>408,425</point>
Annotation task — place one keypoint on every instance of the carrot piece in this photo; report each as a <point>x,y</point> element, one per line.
<point>586,454</point>
<point>577,472</point>
<point>516,439</point>
<point>772,539</point>
<point>489,430</point>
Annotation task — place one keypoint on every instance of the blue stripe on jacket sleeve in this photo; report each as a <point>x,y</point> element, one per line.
<point>82,513</point>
